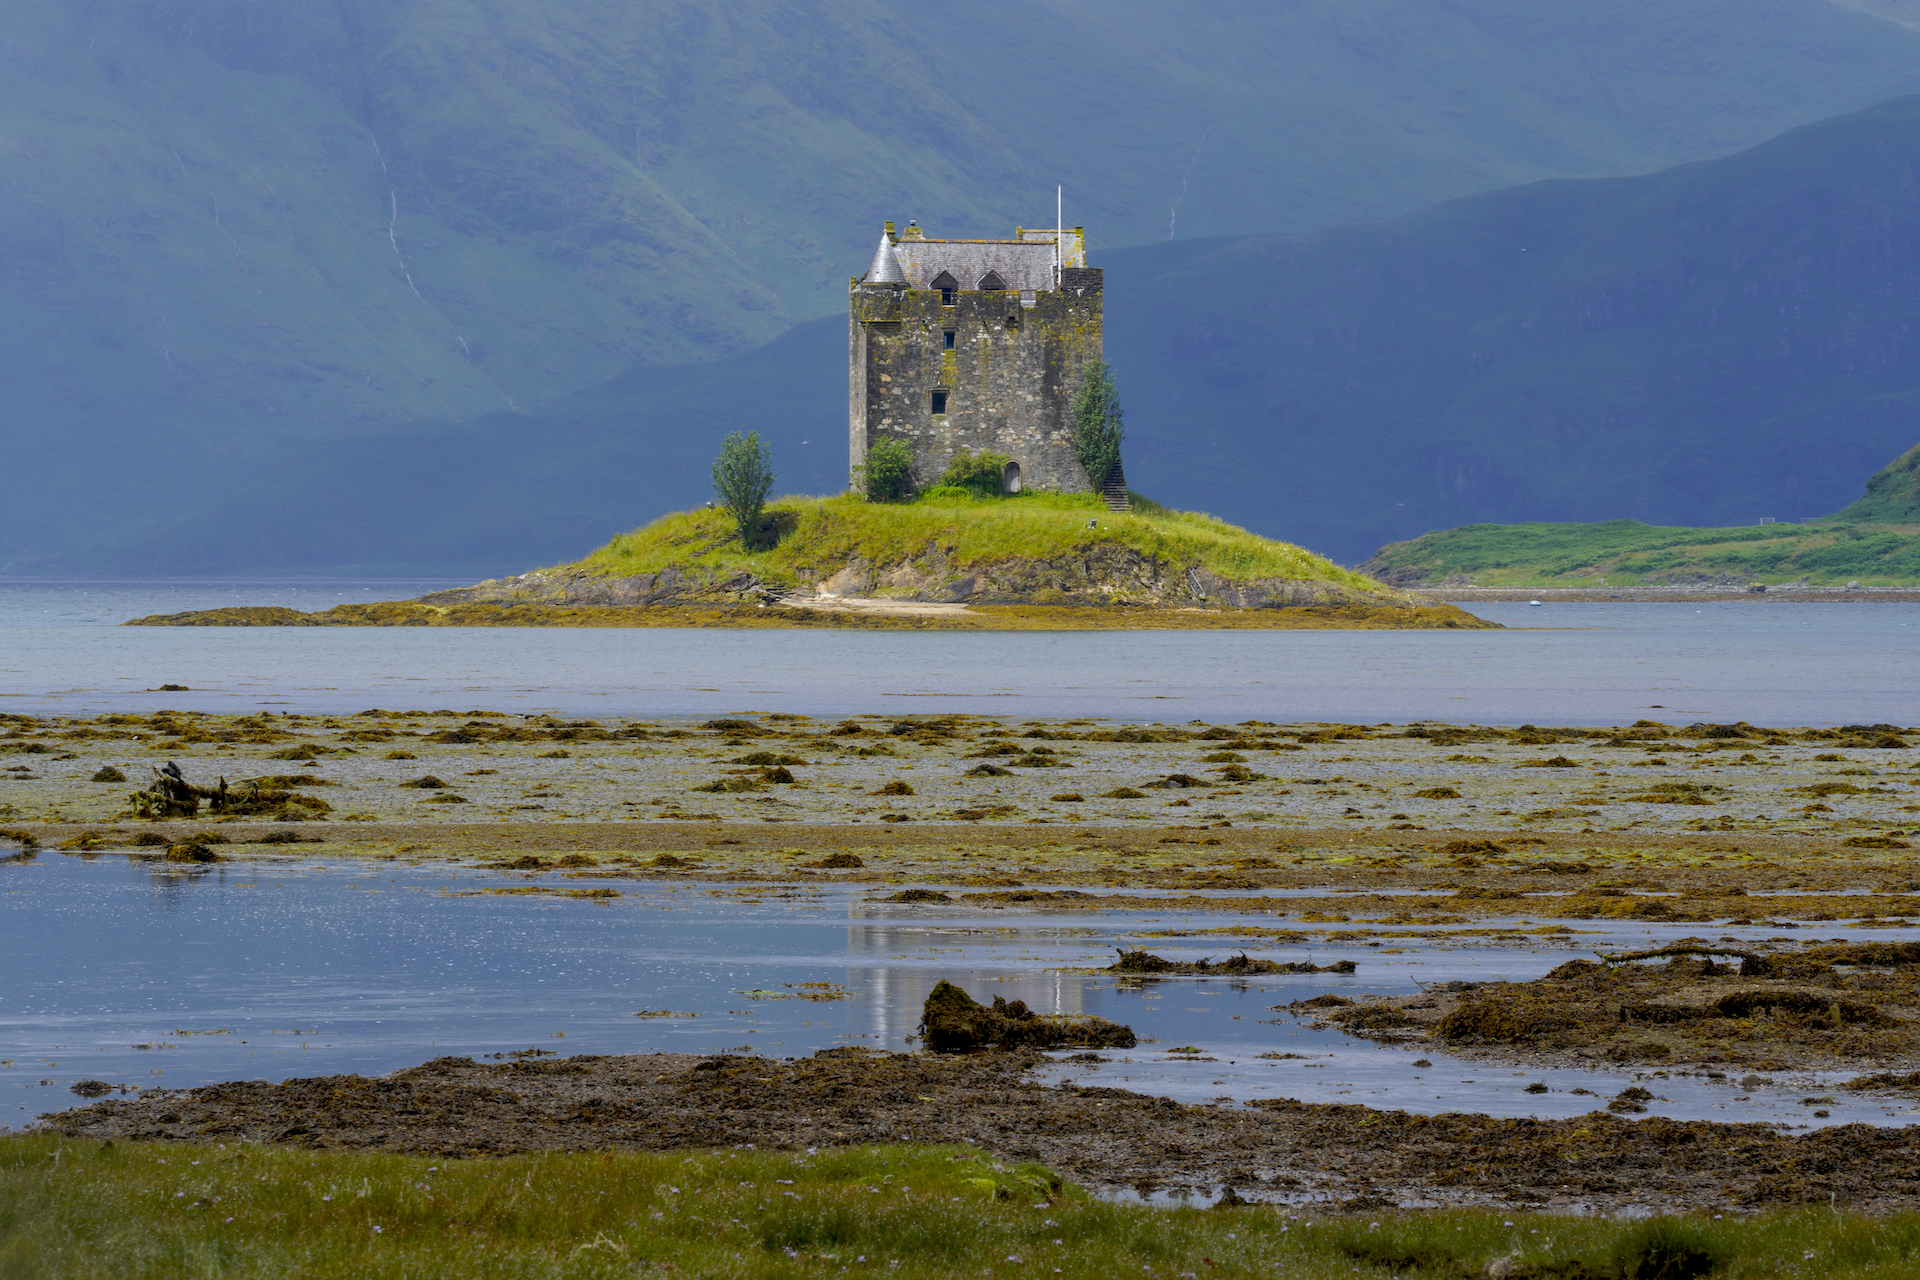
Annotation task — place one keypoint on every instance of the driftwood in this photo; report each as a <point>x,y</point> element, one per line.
<point>170,795</point>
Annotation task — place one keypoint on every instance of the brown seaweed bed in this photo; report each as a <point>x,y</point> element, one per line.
<point>1354,1156</point>
<point>1839,1006</point>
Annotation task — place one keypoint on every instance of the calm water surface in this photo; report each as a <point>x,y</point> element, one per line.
<point>1783,664</point>
<point>129,973</point>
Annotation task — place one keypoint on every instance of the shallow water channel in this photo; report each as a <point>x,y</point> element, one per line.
<point>143,975</point>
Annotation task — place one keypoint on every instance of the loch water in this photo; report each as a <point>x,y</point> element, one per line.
<point>1766,663</point>
<point>144,975</point>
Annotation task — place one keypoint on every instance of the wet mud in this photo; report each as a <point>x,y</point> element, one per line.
<point>1273,1149</point>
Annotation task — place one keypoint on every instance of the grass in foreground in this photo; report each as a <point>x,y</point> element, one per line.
<point>83,1209</point>
<point>816,536</point>
<point>1624,553</point>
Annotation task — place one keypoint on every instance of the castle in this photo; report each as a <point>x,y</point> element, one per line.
<point>970,345</point>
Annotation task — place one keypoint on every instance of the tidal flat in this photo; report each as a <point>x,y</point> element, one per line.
<point>413,768</point>
<point>1280,836</point>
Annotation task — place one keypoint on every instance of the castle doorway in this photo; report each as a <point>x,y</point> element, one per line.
<point>1010,478</point>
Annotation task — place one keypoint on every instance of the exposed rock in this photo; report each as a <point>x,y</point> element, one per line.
<point>954,1022</point>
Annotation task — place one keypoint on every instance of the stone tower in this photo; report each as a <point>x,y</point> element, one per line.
<point>965,345</point>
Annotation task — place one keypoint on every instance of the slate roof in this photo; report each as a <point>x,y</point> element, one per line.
<point>1023,264</point>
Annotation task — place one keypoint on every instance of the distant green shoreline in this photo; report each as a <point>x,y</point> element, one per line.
<point>1629,554</point>
<point>1875,542</point>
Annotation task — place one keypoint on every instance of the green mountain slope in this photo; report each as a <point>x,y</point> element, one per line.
<point>1893,494</point>
<point>232,225</point>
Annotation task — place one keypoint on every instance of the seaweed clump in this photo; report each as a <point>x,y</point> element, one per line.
<point>1714,1003</point>
<point>918,895</point>
<point>954,1022</point>
<point>191,851</point>
<point>1147,962</point>
<point>1514,1016</point>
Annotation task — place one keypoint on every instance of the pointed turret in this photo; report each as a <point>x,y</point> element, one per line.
<point>885,268</point>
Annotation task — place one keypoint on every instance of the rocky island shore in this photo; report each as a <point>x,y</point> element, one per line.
<point>1042,561</point>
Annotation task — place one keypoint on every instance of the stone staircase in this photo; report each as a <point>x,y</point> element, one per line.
<point>1114,492</point>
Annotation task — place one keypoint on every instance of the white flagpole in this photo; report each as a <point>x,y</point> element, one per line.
<point>1059,250</point>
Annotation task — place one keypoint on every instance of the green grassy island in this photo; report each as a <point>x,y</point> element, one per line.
<point>948,558</point>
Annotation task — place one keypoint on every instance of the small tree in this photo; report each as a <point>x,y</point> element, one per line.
<point>742,475</point>
<point>981,474</point>
<point>887,474</point>
<point>1097,432</point>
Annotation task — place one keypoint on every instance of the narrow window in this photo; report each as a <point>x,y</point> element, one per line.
<point>946,297</point>
<point>939,402</point>
<point>946,340</point>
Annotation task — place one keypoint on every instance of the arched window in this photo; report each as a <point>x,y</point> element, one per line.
<point>992,280</point>
<point>1010,478</point>
<point>947,286</point>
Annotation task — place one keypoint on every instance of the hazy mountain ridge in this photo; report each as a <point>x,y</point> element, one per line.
<point>1702,346</point>
<point>234,227</point>
<point>1708,345</point>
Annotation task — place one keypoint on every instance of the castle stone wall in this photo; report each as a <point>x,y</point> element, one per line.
<point>1010,377</point>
